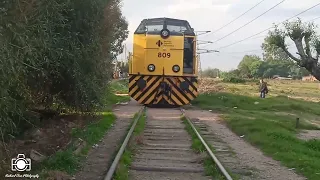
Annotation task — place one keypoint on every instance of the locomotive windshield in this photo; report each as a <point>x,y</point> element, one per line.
<point>174,28</point>
<point>154,26</point>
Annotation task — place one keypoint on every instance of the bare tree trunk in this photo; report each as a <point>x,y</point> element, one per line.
<point>316,72</point>
<point>314,69</point>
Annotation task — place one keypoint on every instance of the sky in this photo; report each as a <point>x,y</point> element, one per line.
<point>210,15</point>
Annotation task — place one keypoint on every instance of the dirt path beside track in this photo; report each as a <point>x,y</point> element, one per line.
<point>245,155</point>
<point>99,158</point>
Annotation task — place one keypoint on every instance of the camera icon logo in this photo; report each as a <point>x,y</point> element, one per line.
<point>21,163</point>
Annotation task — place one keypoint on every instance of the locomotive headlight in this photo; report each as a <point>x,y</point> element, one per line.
<point>164,33</point>
<point>175,68</point>
<point>151,67</point>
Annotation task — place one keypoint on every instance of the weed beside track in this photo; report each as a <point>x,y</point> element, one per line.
<point>210,167</point>
<point>122,172</point>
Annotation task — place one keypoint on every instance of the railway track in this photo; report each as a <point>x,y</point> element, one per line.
<point>166,152</point>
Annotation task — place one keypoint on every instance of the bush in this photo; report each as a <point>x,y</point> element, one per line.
<point>234,80</point>
<point>56,53</point>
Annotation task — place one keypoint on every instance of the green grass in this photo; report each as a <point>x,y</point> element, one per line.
<point>197,145</point>
<point>120,86</point>
<point>210,167</point>
<point>296,89</point>
<point>122,172</point>
<point>140,125</point>
<point>270,125</point>
<point>69,162</point>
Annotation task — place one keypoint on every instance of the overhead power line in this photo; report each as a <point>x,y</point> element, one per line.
<point>254,50</point>
<point>248,22</point>
<point>235,18</point>
<point>247,51</point>
<point>314,19</point>
<point>272,27</point>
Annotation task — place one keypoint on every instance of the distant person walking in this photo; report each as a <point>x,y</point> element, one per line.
<point>263,89</point>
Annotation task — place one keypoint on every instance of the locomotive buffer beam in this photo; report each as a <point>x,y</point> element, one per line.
<point>164,89</point>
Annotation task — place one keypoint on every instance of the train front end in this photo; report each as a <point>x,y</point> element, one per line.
<point>163,66</point>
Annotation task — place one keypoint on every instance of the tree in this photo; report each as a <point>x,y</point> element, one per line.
<point>300,33</point>
<point>231,73</point>
<point>212,73</point>
<point>297,72</point>
<point>56,54</point>
<point>272,52</point>
<point>249,65</point>
<point>255,68</point>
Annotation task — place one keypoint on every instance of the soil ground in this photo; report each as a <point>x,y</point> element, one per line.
<point>248,156</point>
<point>54,135</point>
<point>309,134</point>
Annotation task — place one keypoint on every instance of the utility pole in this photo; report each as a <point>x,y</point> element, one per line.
<point>200,42</point>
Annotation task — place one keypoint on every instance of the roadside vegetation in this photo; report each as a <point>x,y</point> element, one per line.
<point>56,59</point>
<point>270,123</point>
<point>121,87</point>
<point>70,160</point>
<point>122,172</point>
<point>66,139</point>
<point>117,88</point>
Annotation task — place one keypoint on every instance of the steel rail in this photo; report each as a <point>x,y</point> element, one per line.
<point>123,146</point>
<point>215,159</point>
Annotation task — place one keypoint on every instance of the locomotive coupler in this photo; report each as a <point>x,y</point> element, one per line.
<point>166,89</point>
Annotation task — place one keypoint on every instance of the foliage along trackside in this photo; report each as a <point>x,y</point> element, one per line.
<point>67,155</point>
<point>210,167</point>
<point>122,87</point>
<point>116,87</point>
<point>69,162</point>
<point>56,55</point>
<point>122,172</point>
<point>270,125</point>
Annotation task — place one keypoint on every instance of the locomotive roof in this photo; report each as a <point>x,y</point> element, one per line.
<point>163,19</point>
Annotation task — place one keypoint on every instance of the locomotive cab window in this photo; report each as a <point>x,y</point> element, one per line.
<point>157,24</point>
<point>154,28</point>
<point>150,26</point>
<point>174,28</point>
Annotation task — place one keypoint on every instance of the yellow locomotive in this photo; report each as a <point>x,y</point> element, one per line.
<point>163,66</point>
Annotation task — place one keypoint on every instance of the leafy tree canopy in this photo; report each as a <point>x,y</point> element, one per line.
<point>56,53</point>
<point>305,39</point>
